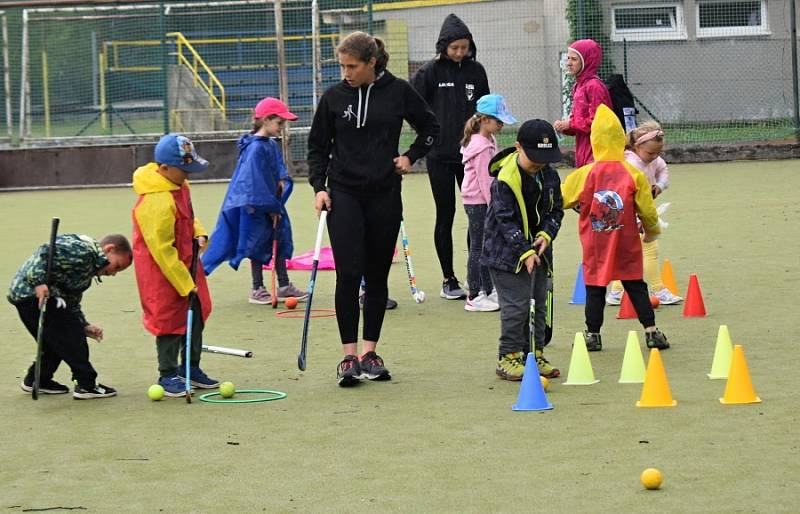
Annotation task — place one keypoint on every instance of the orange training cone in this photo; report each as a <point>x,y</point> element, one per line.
<point>694,306</point>
<point>668,277</point>
<point>739,388</point>
<point>723,355</point>
<point>655,391</point>
<point>626,310</point>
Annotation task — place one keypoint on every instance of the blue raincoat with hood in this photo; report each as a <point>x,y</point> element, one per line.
<point>244,226</point>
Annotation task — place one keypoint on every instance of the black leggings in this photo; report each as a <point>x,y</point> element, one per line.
<point>442,175</point>
<point>636,291</point>
<point>363,232</point>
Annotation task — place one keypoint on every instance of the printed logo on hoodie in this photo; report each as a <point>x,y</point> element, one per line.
<point>348,114</point>
<point>447,84</point>
<point>470,88</point>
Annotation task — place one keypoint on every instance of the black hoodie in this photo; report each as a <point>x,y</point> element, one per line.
<point>355,134</point>
<point>451,89</point>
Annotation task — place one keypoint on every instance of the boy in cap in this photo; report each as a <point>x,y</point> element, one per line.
<point>164,227</point>
<point>523,218</point>
<point>77,260</point>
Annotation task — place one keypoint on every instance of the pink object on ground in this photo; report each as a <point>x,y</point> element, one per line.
<point>304,261</point>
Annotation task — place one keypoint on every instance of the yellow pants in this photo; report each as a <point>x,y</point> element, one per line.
<point>652,274</point>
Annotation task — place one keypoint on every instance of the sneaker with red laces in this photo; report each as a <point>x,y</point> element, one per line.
<point>372,367</point>
<point>348,373</point>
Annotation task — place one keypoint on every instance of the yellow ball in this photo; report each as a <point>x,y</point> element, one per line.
<point>651,478</point>
<point>545,383</point>
<point>155,392</point>
<point>227,390</point>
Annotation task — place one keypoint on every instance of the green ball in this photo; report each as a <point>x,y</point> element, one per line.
<point>227,390</point>
<point>155,392</point>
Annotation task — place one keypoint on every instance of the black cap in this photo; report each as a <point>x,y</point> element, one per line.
<point>538,140</point>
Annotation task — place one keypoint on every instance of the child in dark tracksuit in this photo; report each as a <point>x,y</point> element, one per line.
<point>523,218</point>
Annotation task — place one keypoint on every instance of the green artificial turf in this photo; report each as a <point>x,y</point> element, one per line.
<point>441,436</point>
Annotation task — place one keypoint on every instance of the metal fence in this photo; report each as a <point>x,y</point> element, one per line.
<point>710,71</point>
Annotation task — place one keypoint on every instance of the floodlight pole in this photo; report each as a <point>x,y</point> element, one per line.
<point>795,86</point>
<point>162,22</point>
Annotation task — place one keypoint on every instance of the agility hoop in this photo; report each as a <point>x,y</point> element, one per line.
<point>276,395</point>
<point>315,313</point>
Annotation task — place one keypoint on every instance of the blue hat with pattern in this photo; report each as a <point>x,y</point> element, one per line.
<point>178,151</point>
<point>495,106</point>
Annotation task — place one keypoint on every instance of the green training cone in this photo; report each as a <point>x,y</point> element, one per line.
<point>580,367</point>
<point>723,354</point>
<point>633,368</point>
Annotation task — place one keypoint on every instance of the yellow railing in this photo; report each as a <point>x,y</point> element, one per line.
<point>195,63</point>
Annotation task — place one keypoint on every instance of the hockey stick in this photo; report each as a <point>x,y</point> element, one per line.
<point>273,288</point>
<point>419,296</point>
<point>37,367</point>
<point>189,320</point>
<point>301,357</point>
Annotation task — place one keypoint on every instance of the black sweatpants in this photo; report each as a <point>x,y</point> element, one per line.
<point>363,232</point>
<point>64,340</point>
<point>443,176</point>
<point>636,291</point>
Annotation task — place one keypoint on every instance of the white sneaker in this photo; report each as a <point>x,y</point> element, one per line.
<point>614,297</point>
<point>493,297</point>
<point>666,297</point>
<point>481,303</point>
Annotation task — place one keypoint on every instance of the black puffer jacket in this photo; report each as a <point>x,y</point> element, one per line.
<point>451,89</point>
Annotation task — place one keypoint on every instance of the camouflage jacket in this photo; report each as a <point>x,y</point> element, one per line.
<point>76,261</point>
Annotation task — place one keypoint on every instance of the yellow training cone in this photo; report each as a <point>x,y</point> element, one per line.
<point>668,277</point>
<point>580,367</point>
<point>723,353</point>
<point>633,362</point>
<point>655,391</point>
<point>739,388</point>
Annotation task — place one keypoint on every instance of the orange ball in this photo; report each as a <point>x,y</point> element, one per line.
<point>654,301</point>
<point>291,302</point>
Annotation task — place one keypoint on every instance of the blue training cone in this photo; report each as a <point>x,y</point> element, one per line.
<point>579,293</point>
<point>531,393</point>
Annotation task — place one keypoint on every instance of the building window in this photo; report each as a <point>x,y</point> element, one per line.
<point>731,18</point>
<point>647,22</point>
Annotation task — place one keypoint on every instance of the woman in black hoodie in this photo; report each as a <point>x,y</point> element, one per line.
<point>356,173</point>
<point>451,83</point>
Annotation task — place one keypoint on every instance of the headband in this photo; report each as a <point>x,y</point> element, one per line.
<point>649,136</point>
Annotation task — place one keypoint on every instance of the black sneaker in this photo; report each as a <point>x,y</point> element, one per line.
<point>372,367</point>
<point>45,386</point>
<point>594,343</point>
<point>390,304</point>
<point>348,372</point>
<point>656,339</point>
<point>451,290</point>
<point>98,391</point>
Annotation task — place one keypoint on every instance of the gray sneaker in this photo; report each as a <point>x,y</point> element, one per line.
<point>290,291</point>
<point>372,367</point>
<point>656,339</point>
<point>451,290</point>
<point>259,296</point>
<point>348,373</point>
<point>594,343</point>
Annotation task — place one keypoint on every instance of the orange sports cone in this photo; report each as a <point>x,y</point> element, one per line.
<point>739,388</point>
<point>655,391</point>
<point>626,310</point>
<point>694,306</point>
<point>668,277</point>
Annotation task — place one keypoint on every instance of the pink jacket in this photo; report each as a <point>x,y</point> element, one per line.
<point>475,188</point>
<point>656,171</point>
<point>587,94</point>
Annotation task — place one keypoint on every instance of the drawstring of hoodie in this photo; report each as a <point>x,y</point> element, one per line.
<point>359,122</point>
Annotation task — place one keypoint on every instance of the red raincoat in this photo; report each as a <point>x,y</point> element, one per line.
<point>163,228</point>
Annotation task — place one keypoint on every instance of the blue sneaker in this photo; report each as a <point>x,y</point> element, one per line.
<point>199,379</point>
<point>174,386</point>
